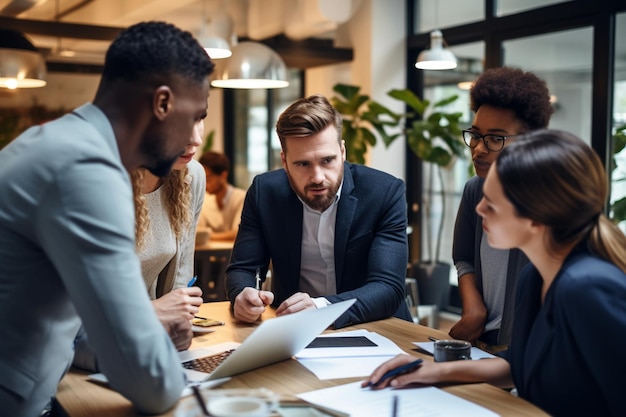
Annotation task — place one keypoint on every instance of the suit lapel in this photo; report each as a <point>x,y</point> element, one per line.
<point>345,215</point>
<point>539,330</point>
<point>293,234</point>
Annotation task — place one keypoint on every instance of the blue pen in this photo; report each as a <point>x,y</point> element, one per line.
<point>192,281</point>
<point>411,366</point>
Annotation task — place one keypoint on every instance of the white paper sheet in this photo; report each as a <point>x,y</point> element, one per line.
<point>385,347</point>
<point>332,368</point>
<point>331,363</point>
<point>412,402</point>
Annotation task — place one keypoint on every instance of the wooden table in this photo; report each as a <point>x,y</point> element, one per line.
<point>81,398</point>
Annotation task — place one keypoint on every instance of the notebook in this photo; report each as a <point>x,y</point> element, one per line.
<point>272,341</point>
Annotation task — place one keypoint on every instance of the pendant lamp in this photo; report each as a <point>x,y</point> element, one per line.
<point>437,57</point>
<point>21,64</point>
<point>216,33</point>
<point>252,65</point>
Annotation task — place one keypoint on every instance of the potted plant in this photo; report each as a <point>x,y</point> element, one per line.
<point>434,136</point>
<point>361,114</point>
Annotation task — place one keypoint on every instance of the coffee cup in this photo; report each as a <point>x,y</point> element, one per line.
<point>238,407</point>
<point>452,350</point>
<point>258,402</point>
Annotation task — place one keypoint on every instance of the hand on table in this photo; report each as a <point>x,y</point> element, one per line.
<point>297,302</point>
<point>427,373</point>
<point>251,303</point>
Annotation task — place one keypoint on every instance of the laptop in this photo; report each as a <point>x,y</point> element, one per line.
<point>274,340</point>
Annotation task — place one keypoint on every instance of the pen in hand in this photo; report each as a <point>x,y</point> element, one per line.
<point>192,281</point>
<point>404,369</point>
<point>258,279</point>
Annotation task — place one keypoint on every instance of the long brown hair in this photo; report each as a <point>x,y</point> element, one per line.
<point>556,179</point>
<point>177,191</point>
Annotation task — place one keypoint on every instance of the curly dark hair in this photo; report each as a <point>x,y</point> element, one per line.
<point>156,49</point>
<point>511,88</point>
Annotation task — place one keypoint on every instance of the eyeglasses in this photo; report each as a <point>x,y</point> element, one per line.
<point>494,143</point>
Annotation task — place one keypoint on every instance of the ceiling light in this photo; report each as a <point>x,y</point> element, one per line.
<point>217,48</point>
<point>215,35</point>
<point>21,64</point>
<point>252,65</point>
<point>437,57</point>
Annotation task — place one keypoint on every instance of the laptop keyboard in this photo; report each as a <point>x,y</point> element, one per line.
<point>207,363</point>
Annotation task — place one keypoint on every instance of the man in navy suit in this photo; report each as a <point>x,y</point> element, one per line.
<point>332,230</point>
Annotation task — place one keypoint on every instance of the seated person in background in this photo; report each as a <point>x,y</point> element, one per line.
<point>332,230</point>
<point>67,244</point>
<point>506,102</point>
<point>166,211</point>
<point>545,195</point>
<point>223,203</point>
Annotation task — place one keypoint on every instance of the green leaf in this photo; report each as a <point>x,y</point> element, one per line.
<point>410,99</point>
<point>346,90</point>
<point>619,210</point>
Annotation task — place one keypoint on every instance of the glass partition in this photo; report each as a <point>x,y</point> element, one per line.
<point>618,173</point>
<point>565,60</point>
<point>506,7</point>
<point>256,148</point>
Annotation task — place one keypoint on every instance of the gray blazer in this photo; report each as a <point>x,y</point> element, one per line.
<point>371,249</point>
<point>67,255</point>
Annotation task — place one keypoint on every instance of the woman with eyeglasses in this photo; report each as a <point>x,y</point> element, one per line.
<point>506,102</point>
<point>545,195</point>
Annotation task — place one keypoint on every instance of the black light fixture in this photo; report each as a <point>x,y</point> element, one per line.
<point>21,64</point>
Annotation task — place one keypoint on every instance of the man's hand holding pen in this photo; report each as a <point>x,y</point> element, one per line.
<point>251,302</point>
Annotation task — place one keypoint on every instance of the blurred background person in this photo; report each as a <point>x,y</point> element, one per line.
<point>223,203</point>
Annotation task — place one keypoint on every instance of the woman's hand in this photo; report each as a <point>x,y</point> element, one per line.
<point>175,311</point>
<point>427,373</point>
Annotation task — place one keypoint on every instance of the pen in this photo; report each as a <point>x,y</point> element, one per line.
<point>258,279</point>
<point>406,368</point>
<point>394,406</point>
<point>201,403</point>
<point>192,281</point>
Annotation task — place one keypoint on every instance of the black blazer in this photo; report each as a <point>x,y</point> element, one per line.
<point>371,250</point>
<point>567,355</point>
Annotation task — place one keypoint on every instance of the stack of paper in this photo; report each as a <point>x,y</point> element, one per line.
<point>351,354</point>
<point>411,402</point>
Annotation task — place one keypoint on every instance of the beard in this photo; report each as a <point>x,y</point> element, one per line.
<point>156,162</point>
<point>318,202</point>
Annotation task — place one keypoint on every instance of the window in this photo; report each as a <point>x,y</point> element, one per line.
<point>250,136</point>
